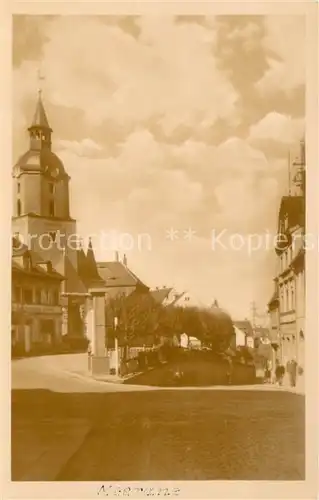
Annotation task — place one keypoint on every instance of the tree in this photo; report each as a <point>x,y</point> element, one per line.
<point>137,317</point>
<point>141,319</point>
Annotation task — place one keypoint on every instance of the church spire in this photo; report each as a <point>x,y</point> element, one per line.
<point>40,130</point>
<point>40,118</point>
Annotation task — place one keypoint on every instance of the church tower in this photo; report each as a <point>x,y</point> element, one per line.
<point>41,211</point>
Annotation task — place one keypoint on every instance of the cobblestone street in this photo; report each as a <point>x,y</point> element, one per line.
<point>121,433</point>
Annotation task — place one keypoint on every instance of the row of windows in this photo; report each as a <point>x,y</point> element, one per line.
<point>286,259</point>
<point>287,296</point>
<point>28,295</point>
<point>51,208</point>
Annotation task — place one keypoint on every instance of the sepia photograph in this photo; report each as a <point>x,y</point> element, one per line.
<point>158,249</point>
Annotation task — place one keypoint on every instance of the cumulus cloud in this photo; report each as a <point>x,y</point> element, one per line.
<point>246,35</point>
<point>147,83</point>
<point>284,43</point>
<point>228,186</point>
<point>169,71</point>
<point>148,188</point>
<point>85,147</point>
<point>277,127</point>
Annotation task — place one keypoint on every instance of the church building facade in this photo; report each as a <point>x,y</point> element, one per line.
<point>41,220</point>
<point>42,224</point>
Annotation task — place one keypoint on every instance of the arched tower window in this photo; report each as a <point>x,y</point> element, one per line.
<point>19,208</point>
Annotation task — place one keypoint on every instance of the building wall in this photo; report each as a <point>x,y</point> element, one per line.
<point>27,189</point>
<point>240,338</point>
<point>274,322</point>
<point>31,228</point>
<point>36,311</point>
<point>291,309</point>
<point>250,342</point>
<point>300,317</point>
<point>35,191</point>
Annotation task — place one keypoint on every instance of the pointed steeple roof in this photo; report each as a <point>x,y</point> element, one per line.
<point>40,118</point>
<point>90,272</point>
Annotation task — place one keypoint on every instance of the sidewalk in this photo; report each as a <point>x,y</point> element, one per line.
<point>286,387</point>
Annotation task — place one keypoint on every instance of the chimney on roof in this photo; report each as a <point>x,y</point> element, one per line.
<point>125,260</point>
<point>117,257</point>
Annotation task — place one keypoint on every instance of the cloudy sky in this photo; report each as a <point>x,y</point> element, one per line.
<point>171,122</point>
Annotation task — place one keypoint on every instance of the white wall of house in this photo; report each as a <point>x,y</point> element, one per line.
<point>250,342</point>
<point>240,337</point>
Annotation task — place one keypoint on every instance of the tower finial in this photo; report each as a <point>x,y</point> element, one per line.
<point>40,78</point>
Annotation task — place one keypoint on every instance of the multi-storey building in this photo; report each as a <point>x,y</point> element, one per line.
<point>36,313</point>
<point>287,306</point>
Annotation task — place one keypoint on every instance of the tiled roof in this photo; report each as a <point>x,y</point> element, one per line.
<point>73,282</point>
<point>294,207</point>
<point>20,250</point>
<point>177,297</point>
<point>160,294</point>
<point>87,268</point>
<point>116,274</point>
<point>35,270</point>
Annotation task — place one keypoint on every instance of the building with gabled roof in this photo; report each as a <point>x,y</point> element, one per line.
<point>245,325</point>
<point>161,295</point>
<point>119,279</point>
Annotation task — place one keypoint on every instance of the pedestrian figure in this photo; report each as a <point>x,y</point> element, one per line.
<point>267,375</point>
<point>293,372</point>
<point>268,372</point>
<point>279,373</point>
<point>89,355</point>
